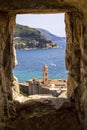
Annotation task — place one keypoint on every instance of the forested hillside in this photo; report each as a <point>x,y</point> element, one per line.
<point>26,37</point>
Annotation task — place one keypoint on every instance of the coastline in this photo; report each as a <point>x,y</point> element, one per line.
<point>39,48</point>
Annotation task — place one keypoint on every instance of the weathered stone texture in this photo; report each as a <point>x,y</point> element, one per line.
<point>6,61</point>
<point>43,113</point>
<point>83,85</point>
<point>73,52</point>
<point>15,88</point>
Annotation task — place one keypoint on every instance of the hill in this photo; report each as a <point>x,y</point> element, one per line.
<point>49,35</point>
<point>60,41</point>
<point>27,37</point>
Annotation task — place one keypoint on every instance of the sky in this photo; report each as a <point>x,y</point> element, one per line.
<point>53,23</point>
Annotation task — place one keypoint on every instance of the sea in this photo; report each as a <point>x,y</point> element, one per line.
<point>31,62</point>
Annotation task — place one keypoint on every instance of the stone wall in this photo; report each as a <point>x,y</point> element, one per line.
<point>76,62</point>
<point>83,74</point>
<point>34,87</point>
<point>76,51</point>
<point>6,61</point>
<point>73,54</point>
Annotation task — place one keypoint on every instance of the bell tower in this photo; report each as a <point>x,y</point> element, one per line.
<point>45,74</point>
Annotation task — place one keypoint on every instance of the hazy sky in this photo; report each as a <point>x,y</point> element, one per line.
<point>54,23</point>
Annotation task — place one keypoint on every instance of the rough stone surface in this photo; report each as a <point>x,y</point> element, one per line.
<point>73,52</point>
<point>6,62</point>
<point>15,88</point>
<point>45,113</point>
<point>76,60</point>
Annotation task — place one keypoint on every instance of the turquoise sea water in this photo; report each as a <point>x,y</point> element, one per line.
<point>30,63</point>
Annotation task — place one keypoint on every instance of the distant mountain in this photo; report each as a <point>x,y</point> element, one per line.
<point>61,41</point>
<point>49,35</point>
<point>27,38</point>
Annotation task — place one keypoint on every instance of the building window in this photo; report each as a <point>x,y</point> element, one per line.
<point>46,74</point>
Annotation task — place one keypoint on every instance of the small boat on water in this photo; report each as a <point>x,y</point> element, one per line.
<point>53,65</point>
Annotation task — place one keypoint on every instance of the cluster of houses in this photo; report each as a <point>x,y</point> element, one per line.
<point>44,86</point>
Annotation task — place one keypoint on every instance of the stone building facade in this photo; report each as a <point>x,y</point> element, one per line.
<point>34,87</point>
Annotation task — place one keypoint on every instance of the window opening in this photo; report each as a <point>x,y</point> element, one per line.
<point>37,46</point>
